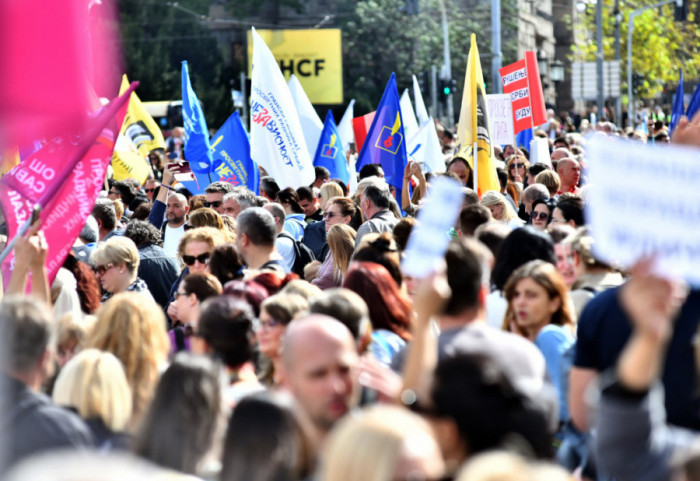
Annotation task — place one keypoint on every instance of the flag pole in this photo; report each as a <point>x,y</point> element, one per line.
<point>475,162</point>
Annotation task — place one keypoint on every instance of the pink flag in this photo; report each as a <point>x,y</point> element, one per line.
<point>64,177</point>
<point>52,51</point>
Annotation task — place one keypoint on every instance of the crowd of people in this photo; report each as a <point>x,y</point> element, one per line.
<point>234,336</point>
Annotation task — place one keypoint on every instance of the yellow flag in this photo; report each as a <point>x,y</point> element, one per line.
<point>8,160</point>
<point>138,136</point>
<point>474,125</point>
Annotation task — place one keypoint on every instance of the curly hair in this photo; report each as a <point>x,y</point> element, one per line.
<point>143,233</point>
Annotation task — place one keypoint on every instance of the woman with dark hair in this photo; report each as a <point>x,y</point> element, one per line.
<point>521,246</point>
<point>191,293</point>
<point>179,429</point>
<point>265,442</point>
<point>294,222</point>
<point>541,214</point>
<point>276,312</point>
<point>248,291</point>
<point>226,332</point>
<point>225,263</point>
<point>460,166</point>
<point>540,309</point>
<point>390,311</point>
<point>381,250</point>
<point>569,210</point>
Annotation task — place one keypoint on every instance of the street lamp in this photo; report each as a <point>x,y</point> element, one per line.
<point>556,71</point>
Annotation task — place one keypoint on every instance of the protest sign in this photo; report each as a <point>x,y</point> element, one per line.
<point>500,118</point>
<point>428,241</point>
<point>632,210</point>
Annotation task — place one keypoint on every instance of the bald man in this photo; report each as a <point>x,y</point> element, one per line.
<point>175,215</point>
<point>318,357</point>
<point>569,172</point>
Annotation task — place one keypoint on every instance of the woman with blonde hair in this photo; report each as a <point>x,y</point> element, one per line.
<point>206,217</point>
<point>328,191</point>
<point>501,209</point>
<point>94,384</point>
<point>133,329</point>
<point>116,263</point>
<point>385,442</point>
<point>341,244</point>
<point>539,308</point>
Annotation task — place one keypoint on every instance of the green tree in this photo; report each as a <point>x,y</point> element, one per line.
<point>157,38</point>
<point>661,46</point>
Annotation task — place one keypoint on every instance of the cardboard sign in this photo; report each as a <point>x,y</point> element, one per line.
<point>643,201</point>
<point>500,118</point>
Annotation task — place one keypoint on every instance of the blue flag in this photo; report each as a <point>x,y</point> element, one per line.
<point>329,153</point>
<point>230,149</point>
<point>385,143</point>
<point>197,148</point>
<point>524,138</point>
<point>677,111</point>
<point>694,104</point>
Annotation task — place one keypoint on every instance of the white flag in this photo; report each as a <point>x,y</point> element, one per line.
<point>310,122</point>
<point>347,134</point>
<point>410,124</point>
<point>421,111</point>
<point>424,148</point>
<point>276,138</point>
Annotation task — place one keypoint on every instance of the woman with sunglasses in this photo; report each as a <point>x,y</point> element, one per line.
<point>275,313</point>
<point>193,291</point>
<point>116,263</point>
<point>541,214</point>
<point>194,251</point>
<point>516,167</point>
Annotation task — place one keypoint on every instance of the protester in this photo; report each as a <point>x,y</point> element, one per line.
<point>116,262</point>
<point>192,292</point>
<point>215,195</point>
<point>463,170</point>
<point>255,241</point>
<point>541,213</point>
<point>237,201</point>
<point>375,204</point>
<point>341,243</point>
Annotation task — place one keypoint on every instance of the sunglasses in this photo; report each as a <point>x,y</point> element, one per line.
<point>201,258</point>
<point>150,190</point>
<point>330,215</point>
<point>539,215</point>
<point>104,268</point>
<point>519,165</point>
<point>111,192</point>
<point>216,204</point>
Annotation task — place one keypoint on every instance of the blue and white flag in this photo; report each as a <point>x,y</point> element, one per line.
<point>425,149</point>
<point>276,139</point>
<point>347,135</point>
<point>197,148</point>
<point>421,111</point>
<point>230,149</point>
<point>410,124</point>
<point>329,153</point>
<point>385,143</point>
<point>310,122</point>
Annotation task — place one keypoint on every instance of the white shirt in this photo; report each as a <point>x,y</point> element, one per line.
<point>171,239</point>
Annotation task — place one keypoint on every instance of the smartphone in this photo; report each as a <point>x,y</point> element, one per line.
<point>182,170</point>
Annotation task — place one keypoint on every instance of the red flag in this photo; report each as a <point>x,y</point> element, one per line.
<point>46,66</point>
<point>64,177</point>
<point>539,111</point>
<point>522,81</point>
<point>361,125</point>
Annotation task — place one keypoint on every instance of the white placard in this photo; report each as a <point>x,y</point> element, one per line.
<point>500,118</point>
<point>539,151</point>
<point>428,241</point>
<point>645,200</point>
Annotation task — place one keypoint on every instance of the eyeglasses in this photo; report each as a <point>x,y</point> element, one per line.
<point>201,258</point>
<point>178,294</point>
<point>150,190</point>
<point>111,192</point>
<point>104,268</point>
<point>269,324</point>
<point>539,215</point>
<point>519,165</point>
<point>216,204</point>
<point>330,215</point>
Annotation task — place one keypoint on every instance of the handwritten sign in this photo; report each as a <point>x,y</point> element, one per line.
<point>643,201</point>
<point>501,118</point>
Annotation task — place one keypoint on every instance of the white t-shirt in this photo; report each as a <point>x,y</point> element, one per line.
<point>171,239</point>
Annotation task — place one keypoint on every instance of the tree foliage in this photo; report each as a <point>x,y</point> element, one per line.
<point>661,46</point>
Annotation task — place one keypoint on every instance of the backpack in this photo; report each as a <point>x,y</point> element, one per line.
<point>302,254</point>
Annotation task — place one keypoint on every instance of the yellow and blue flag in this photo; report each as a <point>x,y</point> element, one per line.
<point>329,153</point>
<point>386,141</point>
<point>230,149</point>
<point>197,147</point>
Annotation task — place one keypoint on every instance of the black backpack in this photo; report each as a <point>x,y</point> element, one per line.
<point>302,254</point>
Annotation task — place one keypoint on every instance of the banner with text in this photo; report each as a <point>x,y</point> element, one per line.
<point>521,81</point>
<point>314,56</point>
<point>500,118</point>
<point>630,209</point>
